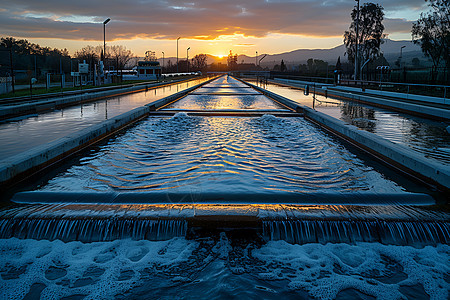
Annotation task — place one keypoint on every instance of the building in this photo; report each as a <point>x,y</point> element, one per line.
<point>149,68</point>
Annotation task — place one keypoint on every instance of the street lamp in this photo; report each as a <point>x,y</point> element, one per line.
<point>256,59</point>
<point>177,52</point>
<point>356,40</point>
<point>163,59</point>
<point>401,56</point>
<point>187,58</point>
<point>104,38</point>
<point>104,42</point>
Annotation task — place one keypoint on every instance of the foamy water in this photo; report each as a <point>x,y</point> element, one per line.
<point>216,268</point>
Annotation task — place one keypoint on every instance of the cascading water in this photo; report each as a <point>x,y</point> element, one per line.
<point>92,230</point>
<point>386,232</point>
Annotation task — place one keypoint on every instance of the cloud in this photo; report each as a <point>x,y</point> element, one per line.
<point>196,19</point>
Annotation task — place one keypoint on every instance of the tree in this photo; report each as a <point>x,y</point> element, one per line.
<point>432,33</point>
<point>370,33</point>
<point>88,54</point>
<point>120,55</point>
<point>232,61</point>
<point>199,62</point>
<point>282,66</point>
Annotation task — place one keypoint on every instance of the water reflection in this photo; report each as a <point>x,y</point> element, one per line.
<point>196,154</point>
<point>427,137</point>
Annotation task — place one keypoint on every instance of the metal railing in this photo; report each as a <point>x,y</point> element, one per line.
<point>440,91</point>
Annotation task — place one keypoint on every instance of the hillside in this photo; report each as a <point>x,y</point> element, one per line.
<point>390,49</point>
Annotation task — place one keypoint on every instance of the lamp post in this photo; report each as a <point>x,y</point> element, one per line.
<point>356,40</point>
<point>187,58</point>
<point>177,52</point>
<point>163,59</point>
<point>104,37</point>
<point>256,59</point>
<point>104,42</point>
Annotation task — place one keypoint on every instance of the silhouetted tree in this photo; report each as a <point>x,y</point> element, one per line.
<point>432,33</point>
<point>282,66</point>
<point>370,33</point>
<point>199,62</point>
<point>121,56</point>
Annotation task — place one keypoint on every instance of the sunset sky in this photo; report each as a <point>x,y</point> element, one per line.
<point>214,27</point>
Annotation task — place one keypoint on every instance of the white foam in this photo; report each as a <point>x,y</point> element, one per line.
<point>325,270</point>
<point>321,270</point>
<point>76,258</point>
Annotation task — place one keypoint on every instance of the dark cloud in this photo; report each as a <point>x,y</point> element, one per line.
<point>203,19</point>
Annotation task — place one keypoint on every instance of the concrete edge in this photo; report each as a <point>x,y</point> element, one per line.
<point>23,165</point>
<point>396,155</point>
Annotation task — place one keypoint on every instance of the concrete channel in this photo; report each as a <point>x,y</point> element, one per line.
<point>39,106</point>
<point>70,213</point>
<point>395,155</point>
<point>29,162</point>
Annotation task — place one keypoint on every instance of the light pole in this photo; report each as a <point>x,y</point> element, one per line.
<point>163,59</point>
<point>104,37</point>
<point>187,58</point>
<point>256,59</point>
<point>104,42</point>
<point>356,40</point>
<point>177,52</point>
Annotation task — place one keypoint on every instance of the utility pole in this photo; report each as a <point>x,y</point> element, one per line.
<point>356,40</point>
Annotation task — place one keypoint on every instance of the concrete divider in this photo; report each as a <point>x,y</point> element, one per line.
<point>394,154</point>
<point>29,162</point>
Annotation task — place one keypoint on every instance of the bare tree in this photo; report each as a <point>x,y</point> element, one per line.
<point>199,62</point>
<point>120,55</point>
<point>88,54</point>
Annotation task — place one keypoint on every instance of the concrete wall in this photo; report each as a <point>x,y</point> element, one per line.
<point>25,164</point>
<point>394,154</point>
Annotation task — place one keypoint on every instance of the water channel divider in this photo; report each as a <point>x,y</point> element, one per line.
<point>38,106</point>
<point>394,155</point>
<point>21,166</point>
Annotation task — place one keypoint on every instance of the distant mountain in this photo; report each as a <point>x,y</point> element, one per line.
<point>390,50</point>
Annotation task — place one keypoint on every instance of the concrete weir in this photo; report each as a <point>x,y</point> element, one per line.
<point>27,163</point>
<point>364,217</point>
<point>396,155</point>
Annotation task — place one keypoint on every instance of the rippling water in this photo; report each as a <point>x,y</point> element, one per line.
<point>429,138</point>
<point>192,154</point>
